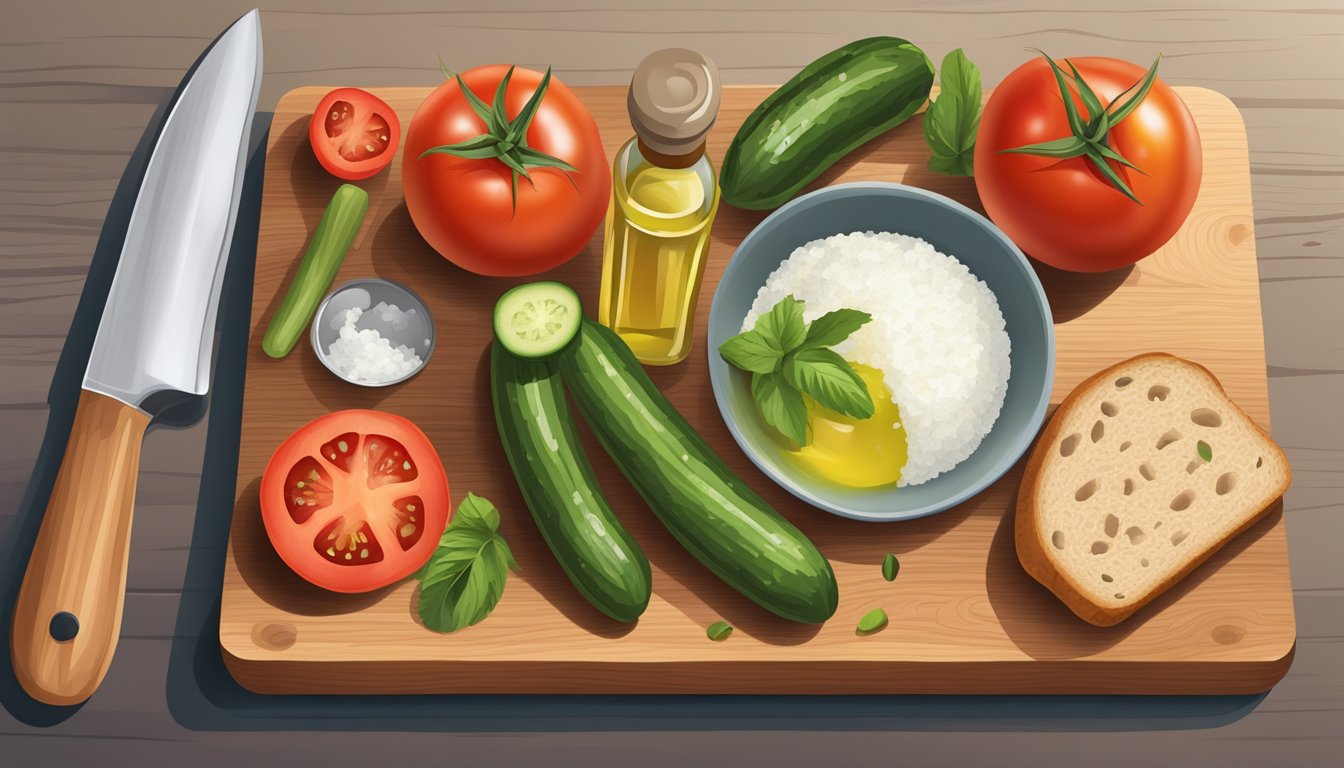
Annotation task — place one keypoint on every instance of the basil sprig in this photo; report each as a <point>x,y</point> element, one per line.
<point>788,358</point>
<point>465,576</point>
<point>952,120</point>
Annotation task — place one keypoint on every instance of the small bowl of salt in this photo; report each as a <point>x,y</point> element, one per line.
<point>373,332</point>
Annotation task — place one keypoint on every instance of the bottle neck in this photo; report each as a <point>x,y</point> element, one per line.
<point>670,161</point>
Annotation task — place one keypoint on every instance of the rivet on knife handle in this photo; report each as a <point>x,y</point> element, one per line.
<point>68,615</point>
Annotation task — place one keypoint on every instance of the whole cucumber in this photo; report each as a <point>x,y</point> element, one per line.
<point>597,554</point>
<point>331,240</point>
<point>707,508</point>
<point>835,104</point>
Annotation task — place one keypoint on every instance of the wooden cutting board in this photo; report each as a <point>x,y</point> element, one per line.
<point>965,618</point>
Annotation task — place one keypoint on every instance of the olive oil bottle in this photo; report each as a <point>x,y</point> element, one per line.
<point>664,197</point>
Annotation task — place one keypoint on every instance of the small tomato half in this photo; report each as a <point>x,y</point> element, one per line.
<point>355,500</point>
<point>354,134</point>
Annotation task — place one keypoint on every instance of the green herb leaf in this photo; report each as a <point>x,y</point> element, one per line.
<point>719,630</point>
<point>952,120</point>
<point>784,324</point>
<point>1205,452</point>
<point>890,567</point>
<point>834,327</point>
<point>872,621</point>
<point>780,405</point>
<point>751,351</point>
<point>465,576</point>
<point>828,379</point>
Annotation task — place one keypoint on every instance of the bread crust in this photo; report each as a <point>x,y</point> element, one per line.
<point>1030,540</point>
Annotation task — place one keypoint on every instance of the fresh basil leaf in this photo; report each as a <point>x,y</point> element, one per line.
<point>828,379</point>
<point>834,327</point>
<point>783,325</point>
<point>719,631</point>
<point>872,621</point>
<point>751,351</point>
<point>952,120</point>
<point>1205,452</point>
<point>890,567</point>
<point>780,405</point>
<point>465,576</point>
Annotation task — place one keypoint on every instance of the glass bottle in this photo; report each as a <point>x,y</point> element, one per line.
<point>664,197</point>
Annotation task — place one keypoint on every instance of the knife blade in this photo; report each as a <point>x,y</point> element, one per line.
<point>155,337</point>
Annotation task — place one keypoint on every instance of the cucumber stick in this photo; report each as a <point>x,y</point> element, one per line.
<point>708,509</point>
<point>835,104</point>
<point>326,250</point>
<point>597,554</point>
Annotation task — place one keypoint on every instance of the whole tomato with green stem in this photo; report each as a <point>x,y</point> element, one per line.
<point>504,172</point>
<point>1088,164</point>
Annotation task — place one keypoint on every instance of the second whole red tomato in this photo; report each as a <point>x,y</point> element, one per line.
<point>1064,211</point>
<point>505,189</point>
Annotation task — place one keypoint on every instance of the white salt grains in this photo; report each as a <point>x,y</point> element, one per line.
<point>364,356</point>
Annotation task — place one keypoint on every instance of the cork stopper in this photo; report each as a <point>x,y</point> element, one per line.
<point>673,101</point>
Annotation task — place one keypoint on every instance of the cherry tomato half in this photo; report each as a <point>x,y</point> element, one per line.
<point>354,133</point>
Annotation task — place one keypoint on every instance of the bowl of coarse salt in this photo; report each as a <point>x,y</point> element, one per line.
<point>373,332</point>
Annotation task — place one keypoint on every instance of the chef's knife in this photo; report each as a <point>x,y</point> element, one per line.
<point>154,341</point>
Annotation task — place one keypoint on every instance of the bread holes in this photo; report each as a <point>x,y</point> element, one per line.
<point>1069,444</point>
<point>1125,446</point>
<point>1100,547</point>
<point>1259,461</point>
<point>1123,381</point>
<point>1129,486</point>
<point>1158,393</point>
<point>1098,430</point>
<point>1169,437</point>
<point>1136,535</point>
<point>1106,577</point>
<point>1119,595</point>
<point>1086,490</point>
<point>1147,471</point>
<point>1143,562</point>
<point>1108,409</point>
<point>1057,538</point>
<point>1112,525</point>
<point>1226,482</point>
<point>1157,525</point>
<point>1182,501</point>
<point>1206,418</point>
<point>1178,537</point>
<point>1193,465</point>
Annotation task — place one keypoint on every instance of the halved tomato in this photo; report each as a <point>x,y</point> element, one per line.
<point>355,500</point>
<point>354,133</point>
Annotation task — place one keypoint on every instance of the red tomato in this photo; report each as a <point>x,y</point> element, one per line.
<point>354,133</point>
<point>465,207</point>
<point>355,500</point>
<point>1065,212</point>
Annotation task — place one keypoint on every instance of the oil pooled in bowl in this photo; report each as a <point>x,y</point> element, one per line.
<point>858,453</point>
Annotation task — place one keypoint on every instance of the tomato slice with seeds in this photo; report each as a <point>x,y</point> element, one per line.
<point>355,500</point>
<point>354,133</point>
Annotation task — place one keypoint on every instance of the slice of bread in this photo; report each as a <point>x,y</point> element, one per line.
<point>1145,470</point>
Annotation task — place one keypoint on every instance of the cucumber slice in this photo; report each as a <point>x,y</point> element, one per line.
<point>537,319</point>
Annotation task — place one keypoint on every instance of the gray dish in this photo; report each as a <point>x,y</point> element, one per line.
<point>417,334</point>
<point>953,229</point>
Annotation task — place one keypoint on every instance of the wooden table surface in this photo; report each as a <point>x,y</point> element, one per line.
<point>79,81</point>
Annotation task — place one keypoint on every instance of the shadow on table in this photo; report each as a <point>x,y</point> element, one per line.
<point>201,695</point>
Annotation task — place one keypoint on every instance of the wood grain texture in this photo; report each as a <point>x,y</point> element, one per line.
<point>965,618</point>
<point>79,80</point>
<point>78,565</point>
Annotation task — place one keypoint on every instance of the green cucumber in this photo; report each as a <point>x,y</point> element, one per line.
<point>708,509</point>
<point>537,319</point>
<point>331,240</point>
<point>835,104</point>
<point>542,445</point>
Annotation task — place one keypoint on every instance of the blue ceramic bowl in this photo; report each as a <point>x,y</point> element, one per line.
<point>953,229</point>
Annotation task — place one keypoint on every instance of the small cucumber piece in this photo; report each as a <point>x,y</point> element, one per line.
<point>542,444</point>
<point>331,241</point>
<point>537,319</point>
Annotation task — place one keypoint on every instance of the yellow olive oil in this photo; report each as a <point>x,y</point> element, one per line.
<point>657,237</point>
<point>857,453</point>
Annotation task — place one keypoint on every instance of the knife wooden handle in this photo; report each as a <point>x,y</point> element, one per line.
<point>68,615</point>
